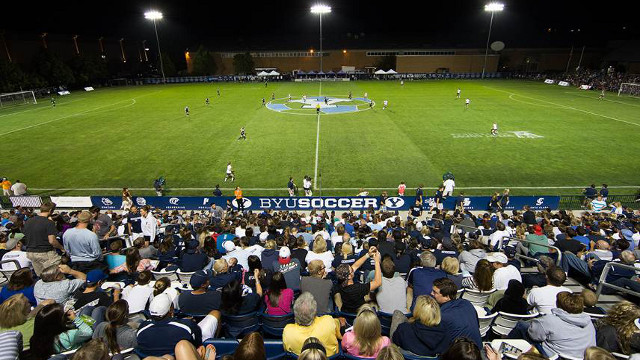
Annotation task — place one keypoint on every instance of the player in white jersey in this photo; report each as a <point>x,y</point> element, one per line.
<point>494,129</point>
<point>206,101</point>
<point>306,184</point>
<point>230,175</point>
<point>385,104</point>
<point>466,103</point>
<point>243,134</point>
<point>401,82</point>
<point>186,110</point>
<point>289,97</point>
<point>366,95</point>
<point>601,96</point>
<point>458,93</point>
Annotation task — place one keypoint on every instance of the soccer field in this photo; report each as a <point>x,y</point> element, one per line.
<point>551,139</point>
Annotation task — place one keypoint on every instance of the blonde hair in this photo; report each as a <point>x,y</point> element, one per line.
<point>52,273</point>
<point>346,249</point>
<point>312,353</point>
<point>450,265</point>
<point>14,311</point>
<point>270,244</point>
<point>622,316</point>
<point>220,266</point>
<point>314,267</point>
<point>597,353</point>
<point>367,330</point>
<point>391,352</point>
<point>426,311</point>
<point>319,245</point>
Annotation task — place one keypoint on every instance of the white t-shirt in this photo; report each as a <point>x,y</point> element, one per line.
<point>19,189</point>
<point>544,298</point>
<point>20,256</point>
<point>467,101</point>
<point>503,275</point>
<point>494,238</point>
<point>306,184</point>
<point>448,185</point>
<point>137,297</point>
<point>228,169</point>
<point>326,257</point>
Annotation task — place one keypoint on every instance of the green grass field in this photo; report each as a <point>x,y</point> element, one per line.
<point>97,142</point>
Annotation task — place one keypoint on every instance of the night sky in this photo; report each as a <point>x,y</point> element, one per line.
<point>287,24</point>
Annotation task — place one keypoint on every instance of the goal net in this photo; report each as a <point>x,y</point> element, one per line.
<point>629,89</point>
<point>17,98</point>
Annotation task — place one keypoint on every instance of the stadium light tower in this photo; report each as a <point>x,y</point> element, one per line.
<point>320,10</point>
<point>492,8</point>
<point>156,15</point>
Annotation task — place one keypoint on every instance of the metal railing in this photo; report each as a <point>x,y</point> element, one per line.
<point>576,202</point>
<point>603,278</point>
<point>557,250</point>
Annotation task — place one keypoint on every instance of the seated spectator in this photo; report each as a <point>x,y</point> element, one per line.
<point>264,275</point>
<point>192,258</point>
<point>538,279</point>
<point>512,302</point>
<point>590,301</point>
<point>352,295</point>
<point>94,349</point>
<point>344,255</point>
<point>133,264</point>
<point>365,340</point>
<point>201,300</point>
<point>420,279</point>
<point>11,345</point>
<point>312,349</point>
<point>92,300</point>
<point>235,300</point>
<point>251,347</point>
<point>168,252</point>
<point>233,251</point>
<point>320,252</point>
<point>53,284</point>
<point>269,254</point>
<point>82,245</point>
<point>391,352</point>
<point>424,334</point>
<point>279,297</point>
<point>160,334</point>
<point>20,282</point>
<point>318,286</point>
<point>535,241</point>
<point>464,349</point>
<point>392,294</point>
<point>146,250</point>
<point>451,266</point>
<point>458,315</point>
<point>597,353</point>
<point>138,295</point>
<point>568,243</point>
<point>469,258</point>
<point>222,276</point>
<point>115,331</point>
<point>482,279</point>
<point>16,314</point>
<point>503,271</point>
<point>542,298</point>
<point>52,334</point>
<point>325,328</point>
<point>615,331</point>
<point>590,268</point>
<point>14,252</point>
<point>289,267</point>
<point>566,330</point>
<point>163,286</point>
<point>114,258</point>
<point>300,252</point>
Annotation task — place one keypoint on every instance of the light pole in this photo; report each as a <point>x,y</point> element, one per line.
<point>491,7</point>
<point>320,9</point>
<point>156,15</point>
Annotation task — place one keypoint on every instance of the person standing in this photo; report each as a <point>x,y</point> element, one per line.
<point>82,245</point>
<point>466,103</point>
<point>243,135</point>
<point>127,200</point>
<point>458,93</point>
<point>419,193</point>
<point>292,187</point>
<point>448,184</point>
<point>494,129</point>
<point>239,201</point>
<point>19,189</point>
<point>206,101</point>
<point>53,102</point>
<point>6,187</point>
<point>102,224</point>
<point>148,224</point>
<point>40,234</point>
<point>230,175</point>
<point>186,110</point>
<point>401,188</point>
<point>306,185</point>
<point>217,191</point>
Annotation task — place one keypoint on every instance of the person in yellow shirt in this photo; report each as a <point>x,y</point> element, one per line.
<point>239,200</point>
<point>325,328</point>
<point>6,187</point>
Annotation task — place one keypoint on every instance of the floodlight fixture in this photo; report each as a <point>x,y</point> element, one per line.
<point>494,6</point>
<point>320,9</point>
<point>154,15</point>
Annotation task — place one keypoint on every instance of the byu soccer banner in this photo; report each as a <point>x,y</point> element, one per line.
<point>478,203</point>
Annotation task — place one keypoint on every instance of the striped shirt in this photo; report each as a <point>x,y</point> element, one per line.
<point>598,205</point>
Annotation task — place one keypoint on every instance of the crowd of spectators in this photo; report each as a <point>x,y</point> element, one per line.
<point>604,79</point>
<point>84,275</point>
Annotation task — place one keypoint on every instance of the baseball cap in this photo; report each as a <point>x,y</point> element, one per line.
<point>628,234</point>
<point>192,246</point>
<point>95,276</point>
<point>284,252</point>
<point>12,242</point>
<point>160,305</point>
<point>229,246</point>
<point>199,278</point>
<point>497,257</point>
<point>537,229</point>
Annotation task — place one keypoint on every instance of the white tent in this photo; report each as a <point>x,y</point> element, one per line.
<point>391,71</point>
<point>380,72</point>
<point>263,73</point>
<point>274,73</point>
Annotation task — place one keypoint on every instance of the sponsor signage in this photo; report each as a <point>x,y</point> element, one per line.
<point>549,81</point>
<point>319,203</point>
<point>63,202</point>
<point>88,88</point>
<point>585,87</point>
<point>563,83</point>
<point>64,92</point>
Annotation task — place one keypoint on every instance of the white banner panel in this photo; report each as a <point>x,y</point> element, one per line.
<point>71,201</point>
<point>88,88</point>
<point>563,83</point>
<point>65,92</point>
<point>585,87</point>
<point>549,81</point>
<point>26,201</point>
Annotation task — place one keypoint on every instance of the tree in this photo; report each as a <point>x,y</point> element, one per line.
<point>386,63</point>
<point>243,64</point>
<point>52,69</point>
<point>169,66</point>
<point>87,71</point>
<point>203,63</point>
<point>11,76</point>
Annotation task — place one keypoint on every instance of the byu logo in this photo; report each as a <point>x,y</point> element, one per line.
<point>141,201</point>
<point>246,202</point>
<point>205,201</point>
<point>106,202</point>
<point>174,201</point>
<point>466,202</point>
<point>540,201</point>
<point>394,202</point>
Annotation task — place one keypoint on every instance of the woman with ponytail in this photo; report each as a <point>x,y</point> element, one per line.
<point>114,331</point>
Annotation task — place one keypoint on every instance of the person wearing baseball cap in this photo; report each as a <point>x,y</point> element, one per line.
<point>95,279</point>
<point>504,272</point>
<point>536,239</point>
<point>160,334</point>
<point>201,300</point>
<point>82,245</point>
<point>14,246</point>
<point>193,259</point>
<point>233,251</point>
<point>289,267</point>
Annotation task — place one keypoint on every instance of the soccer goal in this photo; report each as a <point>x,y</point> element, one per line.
<point>629,89</point>
<point>17,98</point>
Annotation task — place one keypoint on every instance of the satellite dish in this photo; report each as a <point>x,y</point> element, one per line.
<point>497,45</point>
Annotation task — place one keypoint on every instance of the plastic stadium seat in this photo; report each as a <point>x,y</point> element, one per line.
<point>274,349</point>
<point>620,356</point>
<point>6,274</point>
<point>505,322</point>
<point>169,274</point>
<point>478,298</point>
<point>459,293</point>
<point>409,356</point>
<point>223,346</point>
<point>236,326</point>
<point>385,321</point>
<point>273,325</point>
<point>184,277</point>
<point>485,323</point>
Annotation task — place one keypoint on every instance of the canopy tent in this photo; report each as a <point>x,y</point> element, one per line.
<point>341,72</point>
<point>331,73</point>
<point>311,72</point>
<point>380,72</point>
<point>301,72</point>
<point>391,71</point>
<point>274,73</point>
<point>320,73</point>
<point>263,73</point>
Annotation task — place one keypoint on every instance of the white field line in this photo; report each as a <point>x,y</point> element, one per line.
<point>315,171</point>
<point>346,188</point>
<point>564,106</point>
<point>43,107</point>
<point>605,99</point>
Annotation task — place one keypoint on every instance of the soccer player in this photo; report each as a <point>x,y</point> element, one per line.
<point>186,110</point>
<point>401,82</point>
<point>466,103</point>
<point>366,95</point>
<point>306,184</point>
<point>350,95</point>
<point>218,92</point>
<point>304,98</point>
<point>458,93</point>
<point>273,96</point>
<point>370,104</point>
<point>230,174</point>
<point>206,101</point>
<point>265,83</point>
<point>53,102</point>
<point>289,97</point>
<point>292,187</point>
<point>494,129</point>
<point>263,102</point>
<point>318,109</point>
<point>326,100</point>
<point>243,135</point>
<point>385,104</point>
<point>601,96</point>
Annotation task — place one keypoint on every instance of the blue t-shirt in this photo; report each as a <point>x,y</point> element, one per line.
<point>136,222</point>
<point>421,279</point>
<point>28,292</point>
